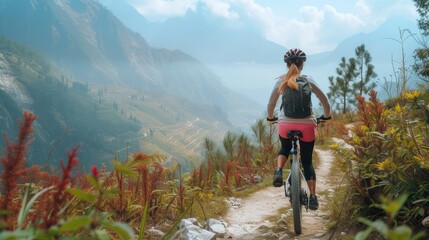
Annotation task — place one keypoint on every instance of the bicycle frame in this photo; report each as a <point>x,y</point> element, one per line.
<point>298,194</point>
<point>296,176</point>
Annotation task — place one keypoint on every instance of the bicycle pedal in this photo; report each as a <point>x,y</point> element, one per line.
<point>287,188</point>
<point>304,197</point>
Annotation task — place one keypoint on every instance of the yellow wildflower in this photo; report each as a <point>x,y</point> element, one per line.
<point>383,166</point>
<point>413,95</point>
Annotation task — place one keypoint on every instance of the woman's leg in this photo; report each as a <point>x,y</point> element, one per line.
<point>307,164</point>
<point>309,172</point>
<point>286,145</point>
<point>284,151</point>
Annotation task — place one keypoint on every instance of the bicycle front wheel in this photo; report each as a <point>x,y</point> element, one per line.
<point>296,196</point>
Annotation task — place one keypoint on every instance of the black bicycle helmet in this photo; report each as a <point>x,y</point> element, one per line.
<point>295,55</point>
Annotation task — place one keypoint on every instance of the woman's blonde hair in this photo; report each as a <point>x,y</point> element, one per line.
<point>289,79</point>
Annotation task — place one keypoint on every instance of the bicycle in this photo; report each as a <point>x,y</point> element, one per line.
<point>297,194</point>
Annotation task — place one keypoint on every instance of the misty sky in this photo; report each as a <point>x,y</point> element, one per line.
<point>317,25</point>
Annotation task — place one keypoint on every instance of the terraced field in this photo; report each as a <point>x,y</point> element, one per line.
<point>190,135</point>
<point>168,126</point>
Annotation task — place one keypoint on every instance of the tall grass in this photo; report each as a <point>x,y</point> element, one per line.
<point>138,193</point>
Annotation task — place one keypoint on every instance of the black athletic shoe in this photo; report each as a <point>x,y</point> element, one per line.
<point>313,203</point>
<point>278,178</point>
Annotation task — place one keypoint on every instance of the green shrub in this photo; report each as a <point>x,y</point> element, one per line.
<point>389,157</point>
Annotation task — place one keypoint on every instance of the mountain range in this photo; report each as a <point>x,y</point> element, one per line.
<point>206,37</point>
<point>161,86</point>
<point>152,87</point>
<point>67,115</point>
<point>90,44</point>
<point>248,63</point>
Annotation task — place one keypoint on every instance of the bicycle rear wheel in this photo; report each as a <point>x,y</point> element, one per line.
<point>296,196</point>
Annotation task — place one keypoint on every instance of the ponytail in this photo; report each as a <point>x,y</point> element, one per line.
<point>289,79</point>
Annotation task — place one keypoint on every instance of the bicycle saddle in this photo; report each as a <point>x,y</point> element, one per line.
<point>294,134</point>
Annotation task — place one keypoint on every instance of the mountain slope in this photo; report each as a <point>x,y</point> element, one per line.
<point>88,43</point>
<point>106,121</point>
<point>209,38</point>
<point>67,115</point>
<point>255,79</point>
<point>171,100</point>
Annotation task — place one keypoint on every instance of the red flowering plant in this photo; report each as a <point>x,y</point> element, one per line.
<point>58,214</point>
<point>95,172</point>
<point>96,221</point>
<point>13,170</point>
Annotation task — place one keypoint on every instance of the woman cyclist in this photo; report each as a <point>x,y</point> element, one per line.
<point>294,59</point>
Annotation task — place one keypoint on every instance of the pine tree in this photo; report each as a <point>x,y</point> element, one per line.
<point>341,92</point>
<point>422,54</point>
<point>365,70</point>
<point>353,78</point>
<point>423,9</point>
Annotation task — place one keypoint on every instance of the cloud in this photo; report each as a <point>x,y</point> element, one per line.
<point>310,14</point>
<point>159,10</point>
<point>306,24</point>
<point>256,10</point>
<point>222,9</point>
<point>342,20</point>
<point>362,7</point>
<point>313,29</point>
<point>317,27</point>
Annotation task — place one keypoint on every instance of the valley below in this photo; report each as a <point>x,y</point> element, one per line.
<point>178,135</point>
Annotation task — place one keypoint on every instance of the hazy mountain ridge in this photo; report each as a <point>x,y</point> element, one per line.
<point>106,121</point>
<point>199,33</point>
<point>383,44</point>
<point>94,50</point>
<point>233,55</point>
<point>88,43</point>
<point>67,116</point>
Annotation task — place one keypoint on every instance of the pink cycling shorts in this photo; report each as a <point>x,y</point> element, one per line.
<point>308,130</point>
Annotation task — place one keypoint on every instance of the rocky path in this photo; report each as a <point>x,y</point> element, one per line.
<point>256,218</point>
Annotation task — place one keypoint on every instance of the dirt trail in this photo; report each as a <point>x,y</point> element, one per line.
<point>251,221</point>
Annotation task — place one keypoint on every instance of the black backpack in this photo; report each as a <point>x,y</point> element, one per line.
<point>297,103</point>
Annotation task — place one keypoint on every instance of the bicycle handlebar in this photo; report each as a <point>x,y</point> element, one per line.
<point>274,119</point>
<point>321,119</point>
